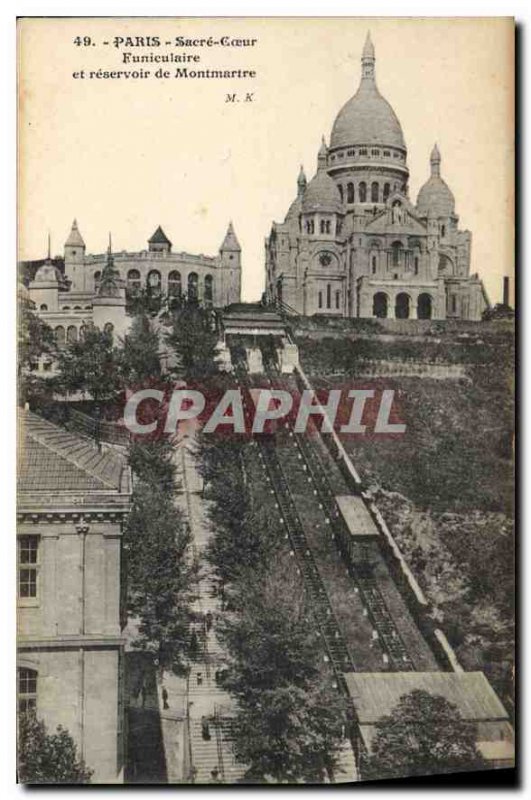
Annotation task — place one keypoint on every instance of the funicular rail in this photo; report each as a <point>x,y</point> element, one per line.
<point>361,572</point>
<point>337,651</point>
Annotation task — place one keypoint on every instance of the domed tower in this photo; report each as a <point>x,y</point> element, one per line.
<point>44,288</point>
<point>368,155</point>
<point>436,206</point>
<point>321,207</point>
<point>109,301</point>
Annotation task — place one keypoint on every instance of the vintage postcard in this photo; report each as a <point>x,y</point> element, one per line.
<point>266,399</point>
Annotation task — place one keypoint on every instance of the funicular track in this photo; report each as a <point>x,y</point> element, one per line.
<point>336,648</point>
<point>362,571</point>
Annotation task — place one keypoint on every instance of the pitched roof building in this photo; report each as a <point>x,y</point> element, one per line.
<point>72,500</point>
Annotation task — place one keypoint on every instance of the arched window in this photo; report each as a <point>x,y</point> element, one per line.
<point>133,280</point>
<point>174,283</point>
<point>362,191</point>
<point>424,306</point>
<point>193,282</point>
<point>27,690</point>
<point>88,308</point>
<point>396,248</point>
<point>338,298</point>
<point>386,191</point>
<point>77,308</point>
<point>43,307</point>
<point>416,265</point>
<point>443,231</point>
<point>154,281</point>
<point>209,295</point>
<point>350,192</point>
<point>340,191</point>
<point>328,295</point>
<point>328,224</point>
<point>60,336</point>
<point>320,299</point>
<point>97,279</point>
<point>82,333</point>
<point>66,308</point>
<point>323,226</point>
<point>402,306</point>
<point>71,334</point>
<point>374,262</point>
<point>379,305</point>
<point>375,192</point>
<point>312,226</point>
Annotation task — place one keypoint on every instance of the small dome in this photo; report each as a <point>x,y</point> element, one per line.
<point>321,194</point>
<point>435,196</point>
<point>294,210</point>
<point>47,273</point>
<point>74,237</point>
<point>367,118</point>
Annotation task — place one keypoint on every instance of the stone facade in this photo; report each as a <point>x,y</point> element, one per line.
<point>69,302</point>
<point>354,245</point>
<point>71,503</point>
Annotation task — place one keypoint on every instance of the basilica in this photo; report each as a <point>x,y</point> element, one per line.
<point>353,244</point>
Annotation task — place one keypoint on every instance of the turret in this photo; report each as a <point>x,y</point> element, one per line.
<point>44,288</point>
<point>230,265</point>
<point>109,302</point>
<point>301,182</point>
<point>74,253</point>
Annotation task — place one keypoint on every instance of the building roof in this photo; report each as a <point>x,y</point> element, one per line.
<point>54,460</point>
<point>376,694</point>
<point>356,515</point>
<point>367,118</point>
<point>74,237</point>
<point>230,242</point>
<point>159,237</point>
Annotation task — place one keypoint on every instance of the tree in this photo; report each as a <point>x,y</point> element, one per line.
<point>194,341</point>
<point>138,358</point>
<point>35,339</point>
<point>290,720</point>
<point>152,463</point>
<point>423,735</point>
<point>45,757</point>
<point>91,365</point>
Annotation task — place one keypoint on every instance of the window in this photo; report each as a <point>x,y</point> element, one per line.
<point>174,283</point>
<point>193,281</point>
<point>443,231</point>
<point>43,307</point>
<point>154,281</point>
<point>340,191</point>
<point>77,308</point>
<point>454,303</point>
<point>60,335</point>
<point>386,191</point>
<point>375,152</point>
<point>350,192</point>
<point>337,299</point>
<point>328,224</point>
<point>325,259</point>
<point>375,192</point>
<point>27,690</point>
<point>208,290</point>
<point>416,265</point>
<point>328,295</point>
<point>362,190</point>
<point>28,550</point>
<point>133,280</point>
<point>97,278</point>
<point>71,334</point>
<point>363,151</point>
<point>320,299</point>
<point>387,153</point>
<point>323,226</point>
<point>395,250</point>
<point>374,265</point>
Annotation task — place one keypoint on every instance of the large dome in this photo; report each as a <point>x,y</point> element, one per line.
<point>367,118</point>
